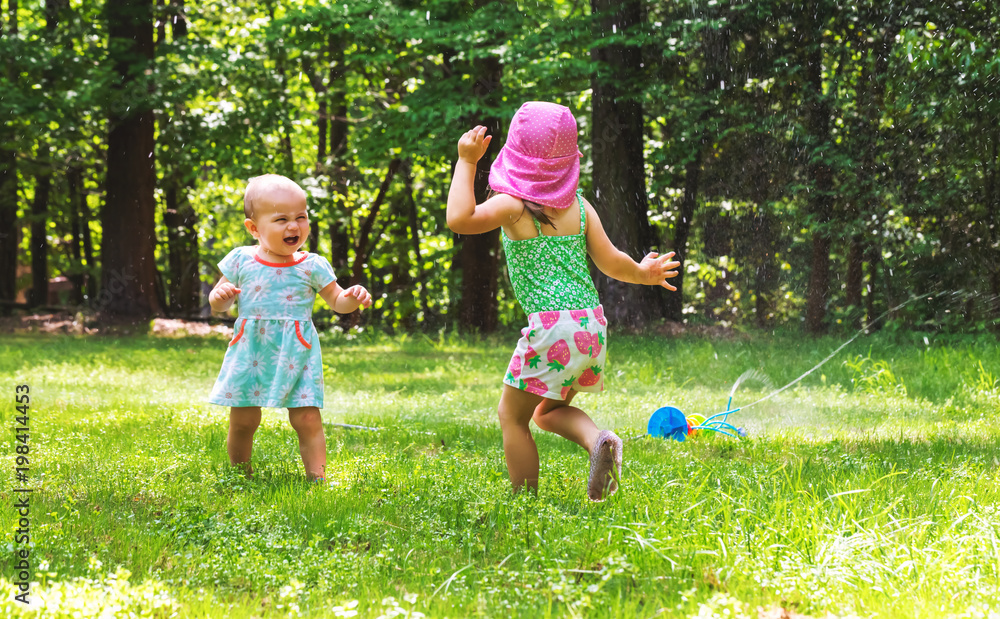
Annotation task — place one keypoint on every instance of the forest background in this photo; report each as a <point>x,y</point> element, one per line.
<point>815,161</point>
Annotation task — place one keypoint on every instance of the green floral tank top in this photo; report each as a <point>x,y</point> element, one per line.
<point>550,272</point>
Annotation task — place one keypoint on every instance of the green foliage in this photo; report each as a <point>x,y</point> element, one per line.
<point>837,488</point>
<point>874,377</point>
<point>908,92</point>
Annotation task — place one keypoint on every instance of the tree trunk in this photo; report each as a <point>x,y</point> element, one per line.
<point>180,220</point>
<point>127,219</point>
<point>478,257</point>
<point>322,131</point>
<point>617,142</point>
<point>74,190</point>
<point>819,283</point>
<point>321,168</point>
<point>855,273</point>
<point>874,260</point>
<point>179,21</point>
<point>39,244</point>
<point>172,222</point>
<point>820,201</point>
<point>479,254</point>
<point>414,225</point>
<point>991,198</point>
<point>763,231</point>
<point>10,231</point>
<point>88,248</point>
<point>39,238</point>
<point>278,53</point>
<point>364,242</point>
<point>340,210</point>
<point>870,97</point>
<point>183,286</point>
<point>765,267</point>
<point>682,231</point>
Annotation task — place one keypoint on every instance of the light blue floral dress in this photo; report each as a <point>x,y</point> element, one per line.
<point>274,358</point>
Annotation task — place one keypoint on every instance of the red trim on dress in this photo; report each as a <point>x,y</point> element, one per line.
<point>279,264</point>
<point>298,333</point>
<point>240,334</point>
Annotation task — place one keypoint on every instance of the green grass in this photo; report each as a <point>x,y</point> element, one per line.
<point>869,489</point>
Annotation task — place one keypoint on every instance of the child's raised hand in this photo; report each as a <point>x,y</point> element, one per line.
<point>361,294</point>
<point>658,269</point>
<point>224,292</point>
<point>472,146</point>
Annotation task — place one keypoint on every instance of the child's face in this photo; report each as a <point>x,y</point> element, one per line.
<point>280,222</point>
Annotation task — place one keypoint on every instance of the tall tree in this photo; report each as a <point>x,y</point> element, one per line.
<point>9,229</point>
<point>55,12</point>
<point>479,254</point>
<point>700,84</point>
<point>819,170</point>
<point>39,235</point>
<point>179,171</point>
<point>617,129</point>
<point>276,49</point>
<point>127,218</point>
<point>327,73</point>
<point>866,186</point>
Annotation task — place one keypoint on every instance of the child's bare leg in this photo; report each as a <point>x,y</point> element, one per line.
<point>308,424</point>
<point>243,422</point>
<point>519,448</point>
<point>567,421</point>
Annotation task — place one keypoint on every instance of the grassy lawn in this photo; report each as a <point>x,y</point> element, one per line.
<point>871,488</point>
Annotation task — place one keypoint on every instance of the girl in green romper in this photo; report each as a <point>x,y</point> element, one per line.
<point>548,230</point>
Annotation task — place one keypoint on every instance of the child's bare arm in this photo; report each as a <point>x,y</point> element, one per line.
<point>654,269</point>
<point>464,215</point>
<point>223,295</point>
<point>345,301</point>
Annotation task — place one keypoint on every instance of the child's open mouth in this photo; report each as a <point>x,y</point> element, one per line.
<point>291,240</point>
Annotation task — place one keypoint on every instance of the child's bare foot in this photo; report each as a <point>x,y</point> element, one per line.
<point>605,466</point>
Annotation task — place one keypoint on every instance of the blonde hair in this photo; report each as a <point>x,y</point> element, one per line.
<point>259,186</point>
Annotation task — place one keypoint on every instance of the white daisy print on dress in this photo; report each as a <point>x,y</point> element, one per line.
<point>256,362</point>
<point>280,274</point>
<point>288,303</point>
<point>277,359</point>
<point>309,373</point>
<point>256,288</point>
<point>283,395</point>
<point>231,394</point>
<point>257,393</point>
<point>303,396</point>
<point>264,331</point>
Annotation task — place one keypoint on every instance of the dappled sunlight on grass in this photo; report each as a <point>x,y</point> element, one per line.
<point>850,496</point>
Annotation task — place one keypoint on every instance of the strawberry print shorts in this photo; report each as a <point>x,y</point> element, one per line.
<point>559,351</point>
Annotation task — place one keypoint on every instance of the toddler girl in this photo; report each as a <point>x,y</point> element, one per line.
<point>547,230</point>
<point>274,358</point>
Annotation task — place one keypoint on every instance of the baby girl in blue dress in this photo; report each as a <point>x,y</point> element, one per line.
<point>274,358</point>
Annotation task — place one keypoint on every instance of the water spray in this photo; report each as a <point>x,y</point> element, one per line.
<point>669,421</point>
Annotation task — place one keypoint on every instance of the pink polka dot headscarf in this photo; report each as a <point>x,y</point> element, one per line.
<point>540,161</point>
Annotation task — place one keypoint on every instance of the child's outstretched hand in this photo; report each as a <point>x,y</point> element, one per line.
<point>657,269</point>
<point>472,146</point>
<point>361,294</point>
<point>222,296</point>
